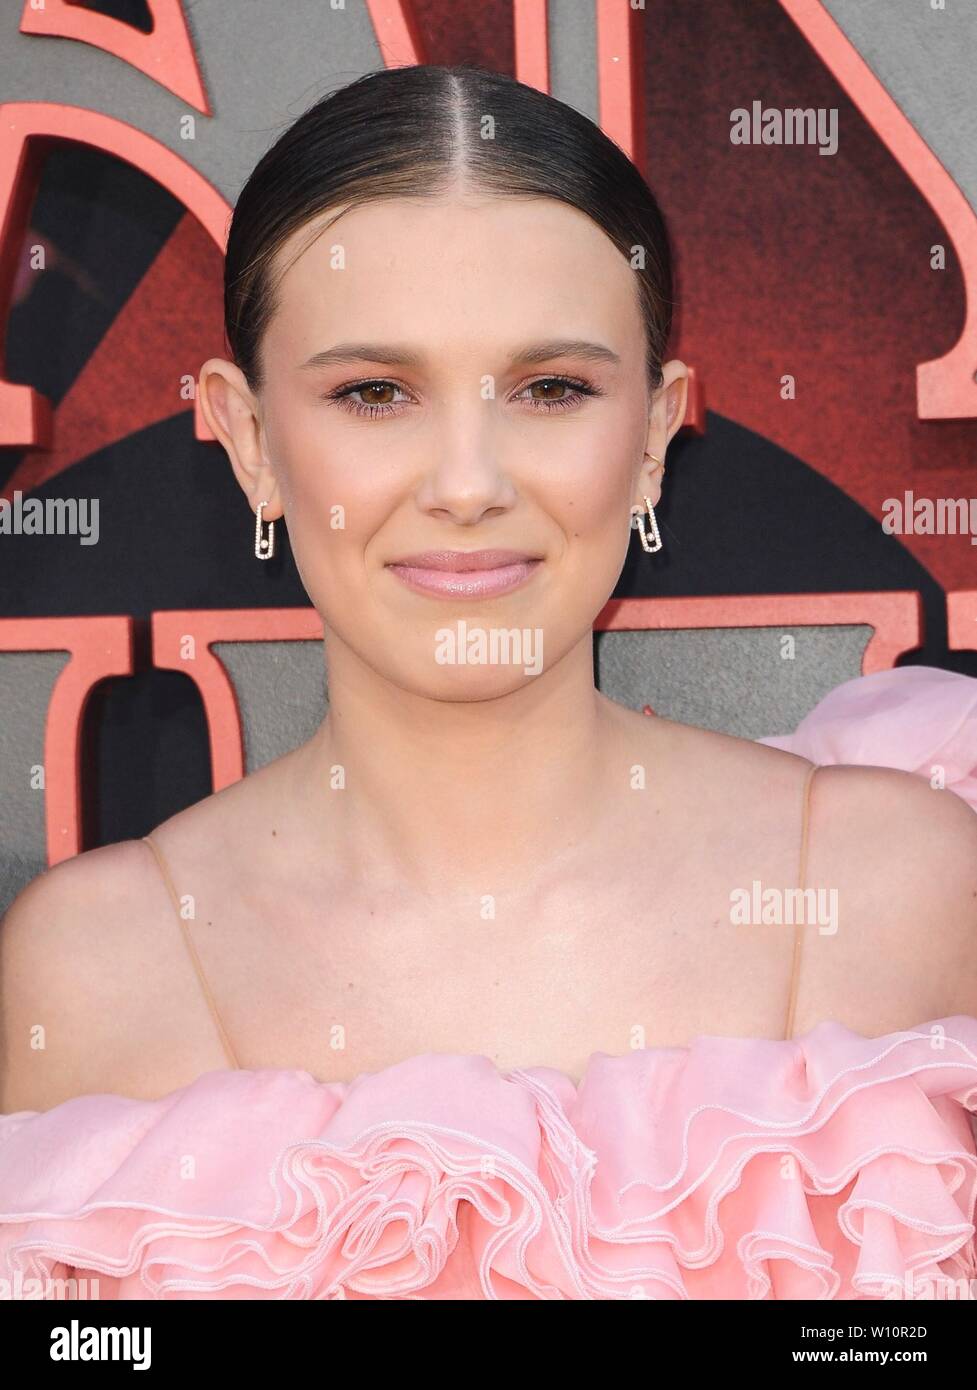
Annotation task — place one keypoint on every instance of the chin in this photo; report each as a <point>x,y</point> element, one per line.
<point>460,684</point>
<point>417,673</point>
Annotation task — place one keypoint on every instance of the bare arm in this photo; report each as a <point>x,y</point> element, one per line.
<point>902,857</point>
<point>96,992</point>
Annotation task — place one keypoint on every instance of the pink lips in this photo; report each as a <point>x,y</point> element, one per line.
<point>465,573</point>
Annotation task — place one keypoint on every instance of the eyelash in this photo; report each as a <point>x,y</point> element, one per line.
<point>343,395</point>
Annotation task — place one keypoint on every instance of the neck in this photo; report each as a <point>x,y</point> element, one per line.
<point>492,795</point>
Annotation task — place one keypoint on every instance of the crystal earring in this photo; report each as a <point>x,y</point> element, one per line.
<point>264,546</point>
<point>656,541</point>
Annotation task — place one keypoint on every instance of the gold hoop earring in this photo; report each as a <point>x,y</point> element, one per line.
<point>264,546</point>
<point>655,543</point>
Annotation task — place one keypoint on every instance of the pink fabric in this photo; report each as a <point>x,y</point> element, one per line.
<point>916,718</point>
<point>830,1165</point>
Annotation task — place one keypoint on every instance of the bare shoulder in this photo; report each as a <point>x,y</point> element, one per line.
<point>902,855</point>
<point>98,992</point>
<point>899,853</point>
<point>222,829</point>
<point>70,971</point>
<point>925,834</point>
<point>763,782</point>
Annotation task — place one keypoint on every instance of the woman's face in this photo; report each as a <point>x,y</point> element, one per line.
<point>445,425</point>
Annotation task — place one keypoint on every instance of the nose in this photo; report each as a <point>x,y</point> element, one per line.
<point>466,480</point>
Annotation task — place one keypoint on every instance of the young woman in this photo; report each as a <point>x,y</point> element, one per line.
<point>467,1011</point>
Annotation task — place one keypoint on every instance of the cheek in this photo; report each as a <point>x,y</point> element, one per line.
<point>592,494</point>
<point>326,491</point>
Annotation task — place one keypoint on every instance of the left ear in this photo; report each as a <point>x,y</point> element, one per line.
<point>667,413</point>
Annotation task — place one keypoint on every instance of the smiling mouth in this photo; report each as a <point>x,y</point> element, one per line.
<point>465,574</point>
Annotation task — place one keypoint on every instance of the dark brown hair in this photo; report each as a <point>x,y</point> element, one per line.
<point>416,131</point>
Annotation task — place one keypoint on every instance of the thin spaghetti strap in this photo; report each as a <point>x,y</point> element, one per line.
<point>795,969</point>
<point>208,995</point>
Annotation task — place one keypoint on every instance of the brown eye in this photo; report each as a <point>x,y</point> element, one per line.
<point>548,385</point>
<point>571,393</point>
<point>370,390</point>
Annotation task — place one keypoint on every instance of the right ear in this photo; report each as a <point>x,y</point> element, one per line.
<point>231,410</point>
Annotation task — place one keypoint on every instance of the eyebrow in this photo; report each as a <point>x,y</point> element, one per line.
<point>395,355</point>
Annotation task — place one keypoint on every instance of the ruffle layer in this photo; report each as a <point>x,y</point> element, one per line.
<point>919,719</point>
<point>825,1166</point>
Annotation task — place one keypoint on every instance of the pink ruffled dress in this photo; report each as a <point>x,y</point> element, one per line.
<point>828,1165</point>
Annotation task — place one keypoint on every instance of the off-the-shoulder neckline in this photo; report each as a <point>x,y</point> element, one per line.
<point>776,1047</point>
<point>751,1039</point>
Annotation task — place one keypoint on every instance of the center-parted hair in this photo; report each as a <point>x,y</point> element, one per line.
<point>427,130</point>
